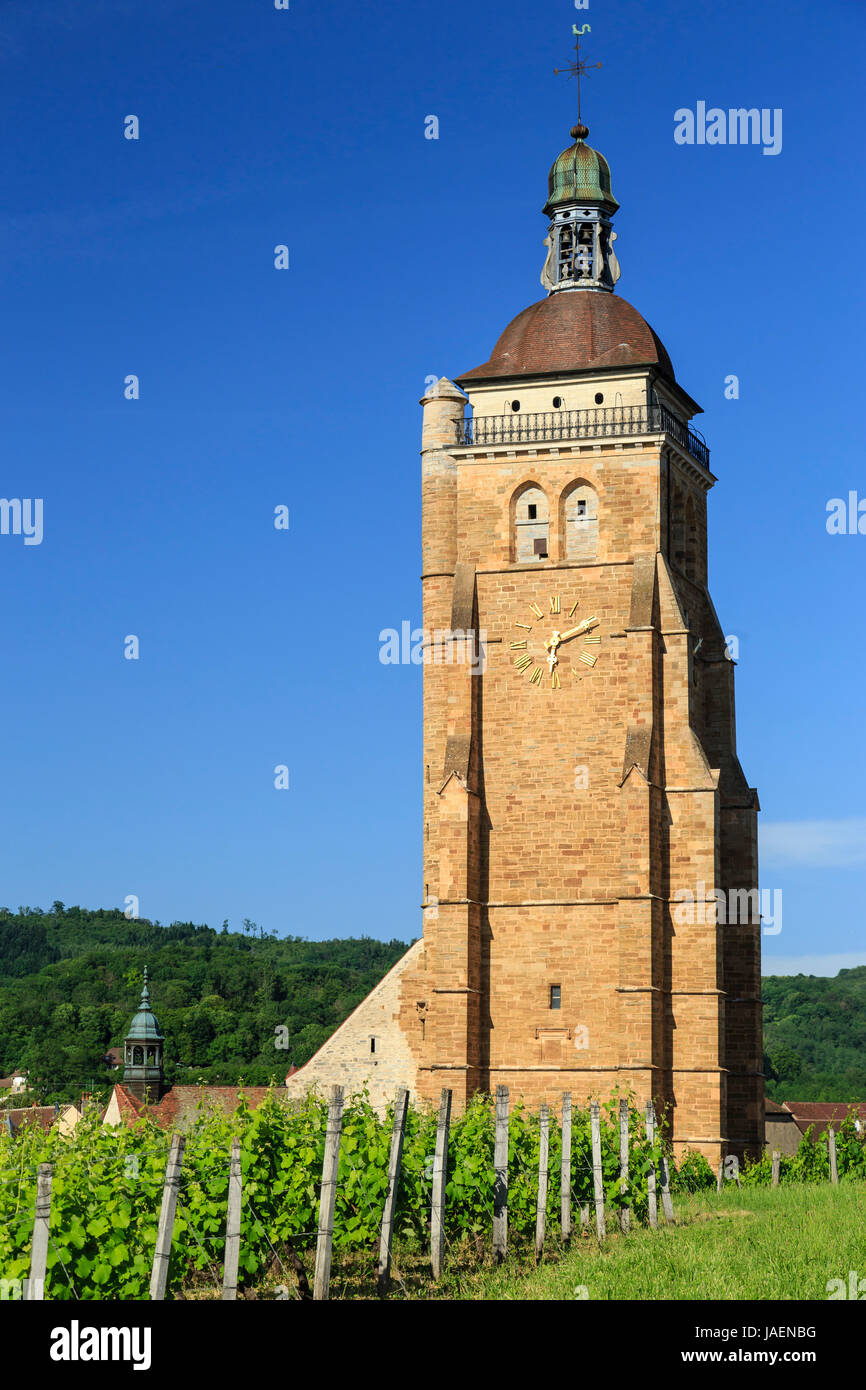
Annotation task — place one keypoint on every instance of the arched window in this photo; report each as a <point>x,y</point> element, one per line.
<point>530,525</point>
<point>580,521</point>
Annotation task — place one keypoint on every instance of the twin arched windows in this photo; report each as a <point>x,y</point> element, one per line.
<point>577,518</point>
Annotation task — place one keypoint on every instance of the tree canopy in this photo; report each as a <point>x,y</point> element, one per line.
<point>815,1036</point>
<point>227,1001</point>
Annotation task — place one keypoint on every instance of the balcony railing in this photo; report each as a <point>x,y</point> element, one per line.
<point>605,422</point>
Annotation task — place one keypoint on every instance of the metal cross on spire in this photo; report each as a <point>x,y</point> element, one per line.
<point>579,68</point>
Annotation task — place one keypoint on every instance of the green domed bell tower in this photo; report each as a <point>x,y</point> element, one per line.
<point>580,205</point>
<point>142,1052</point>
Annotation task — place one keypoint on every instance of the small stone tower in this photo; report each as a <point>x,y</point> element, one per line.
<point>142,1052</point>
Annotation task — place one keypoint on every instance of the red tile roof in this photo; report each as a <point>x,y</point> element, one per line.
<point>41,1115</point>
<point>181,1104</point>
<point>772,1107</point>
<point>822,1114</point>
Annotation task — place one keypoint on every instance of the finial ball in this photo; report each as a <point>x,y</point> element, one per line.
<point>579,132</point>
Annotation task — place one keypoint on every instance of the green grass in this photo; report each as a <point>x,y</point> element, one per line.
<point>756,1243</point>
<point>762,1243</point>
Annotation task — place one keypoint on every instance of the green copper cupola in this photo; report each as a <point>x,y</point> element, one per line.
<point>580,205</point>
<point>143,1052</point>
<point>579,174</point>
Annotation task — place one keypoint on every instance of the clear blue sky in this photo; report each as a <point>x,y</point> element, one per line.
<point>260,387</point>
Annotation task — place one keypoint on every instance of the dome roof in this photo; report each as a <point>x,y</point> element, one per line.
<point>573,331</point>
<point>145,1025</point>
<point>579,175</point>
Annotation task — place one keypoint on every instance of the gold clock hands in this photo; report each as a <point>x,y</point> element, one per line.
<point>551,648</point>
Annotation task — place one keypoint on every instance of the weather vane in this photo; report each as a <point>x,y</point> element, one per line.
<point>579,68</point>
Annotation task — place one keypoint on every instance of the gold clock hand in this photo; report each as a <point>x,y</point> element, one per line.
<point>576,631</point>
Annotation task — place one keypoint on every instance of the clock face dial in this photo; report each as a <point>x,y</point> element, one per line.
<point>553,648</point>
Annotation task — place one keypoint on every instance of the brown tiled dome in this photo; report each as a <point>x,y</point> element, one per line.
<point>573,331</point>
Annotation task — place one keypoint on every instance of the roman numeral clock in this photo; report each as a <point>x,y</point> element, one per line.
<point>540,657</point>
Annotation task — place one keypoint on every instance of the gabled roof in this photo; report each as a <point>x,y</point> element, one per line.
<point>822,1114</point>
<point>16,1074</point>
<point>774,1109</point>
<point>42,1116</point>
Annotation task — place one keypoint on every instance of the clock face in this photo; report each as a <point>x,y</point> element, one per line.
<point>553,647</point>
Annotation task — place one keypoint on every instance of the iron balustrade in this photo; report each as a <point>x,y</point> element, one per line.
<point>602,422</point>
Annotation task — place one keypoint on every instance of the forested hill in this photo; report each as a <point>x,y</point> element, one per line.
<point>815,1036</point>
<point>70,981</point>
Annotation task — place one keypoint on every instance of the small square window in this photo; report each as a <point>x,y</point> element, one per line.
<point>556,996</point>
<point>541,548</point>
<point>533,510</point>
<point>581,508</point>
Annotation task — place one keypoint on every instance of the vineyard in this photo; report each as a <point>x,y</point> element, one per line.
<point>107,1188</point>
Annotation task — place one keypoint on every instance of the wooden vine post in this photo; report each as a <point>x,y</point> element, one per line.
<point>165,1230</point>
<point>34,1288</point>
<point>541,1204</point>
<point>624,1212</point>
<point>831,1145</point>
<point>565,1171</point>
<point>597,1177</point>
<point>386,1234</point>
<point>233,1226</point>
<point>667,1200</point>
<point>440,1176</point>
<point>500,1184</point>
<point>651,1175</point>
<point>776,1163</point>
<point>328,1198</point>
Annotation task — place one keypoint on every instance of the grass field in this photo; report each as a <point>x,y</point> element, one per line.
<point>763,1243</point>
<point>766,1243</point>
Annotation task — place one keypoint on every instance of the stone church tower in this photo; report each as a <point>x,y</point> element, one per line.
<point>590,841</point>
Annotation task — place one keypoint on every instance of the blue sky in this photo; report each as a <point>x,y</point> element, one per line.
<point>262,387</point>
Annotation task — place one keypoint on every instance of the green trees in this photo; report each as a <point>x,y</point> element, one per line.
<point>815,1036</point>
<point>70,981</point>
